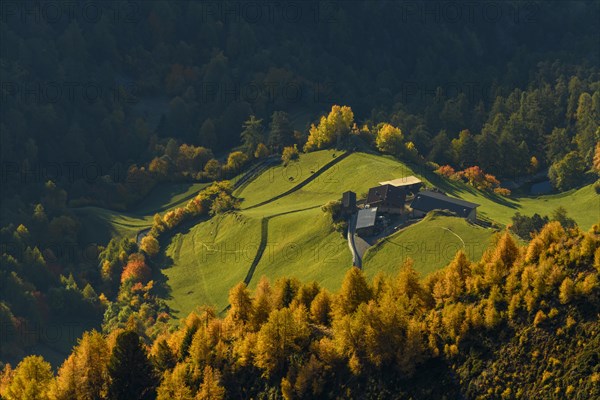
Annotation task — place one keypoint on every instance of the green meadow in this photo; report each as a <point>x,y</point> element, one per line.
<point>278,235</point>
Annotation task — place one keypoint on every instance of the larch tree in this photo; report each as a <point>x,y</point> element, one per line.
<point>320,308</point>
<point>31,380</point>
<point>354,291</point>
<point>285,291</point>
<point>66,383</point>
<point>164,359</point>
<point>262,304</point>
<point>241,303</point>
<point>211,388</point>
<point>175,384</point>
<point>283,334</point>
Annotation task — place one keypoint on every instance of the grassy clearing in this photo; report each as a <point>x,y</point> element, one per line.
<point>303,245</point>
<point>207,261</point>
<point>99,225</point>
<point>431,243</point>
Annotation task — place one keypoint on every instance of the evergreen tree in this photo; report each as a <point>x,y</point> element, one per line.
<point>131,373</point>
<point>465,149</point>
<point>281,133</point>
<point>241,303</point>
<point>252,134</point>
<point>208,134</point>
<point>441,151</point>
<point>568,172</point>
<point>355,290</point>
<point>164,359</point>
<point>558,144</point>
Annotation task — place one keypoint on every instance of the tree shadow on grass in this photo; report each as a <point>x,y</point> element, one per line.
<point>163,261</point>
<point>455,189</point>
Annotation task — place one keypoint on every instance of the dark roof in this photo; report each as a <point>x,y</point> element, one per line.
<point>366,218</point>
<point>349,199</point>
<point>426,201</point>
<point>389,194</point>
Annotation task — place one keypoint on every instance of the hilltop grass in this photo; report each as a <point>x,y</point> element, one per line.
<point>358,173</point>
<point>302,244</point>
<point>431,243</point>
<point>276,180</point>
<point>210,259</point>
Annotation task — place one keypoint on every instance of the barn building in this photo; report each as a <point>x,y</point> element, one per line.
<point>426,201</point>
<point>387,198</point>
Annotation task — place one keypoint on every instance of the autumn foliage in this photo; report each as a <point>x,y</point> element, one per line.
<point>474,176</point>
<point>136,269</point>
<point>526,310</point>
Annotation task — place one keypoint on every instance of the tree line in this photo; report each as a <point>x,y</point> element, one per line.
<point>525,313</point>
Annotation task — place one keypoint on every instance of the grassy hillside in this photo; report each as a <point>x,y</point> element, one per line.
<point>278,179</point>
<point>358,173</point>
<point>167,196</point>
<point>298,239</point>
<point>204,263</point>
<point>431,243</point>
<point>303,245</point>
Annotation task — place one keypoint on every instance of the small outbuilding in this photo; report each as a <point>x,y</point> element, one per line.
<point>348,203</point>
<point>365,221</point>
<point>411,184</point>
<point>427,200</point>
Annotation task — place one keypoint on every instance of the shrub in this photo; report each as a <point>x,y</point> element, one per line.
<point>261,151</point>
<point>502,191</point>
<point>290,153</point>
<point>136,269</point>
<point>150,245</point>
<point>524,226</point>
<point>446,171</point>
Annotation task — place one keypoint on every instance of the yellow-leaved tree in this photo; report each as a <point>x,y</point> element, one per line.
<point>390,140</point>
<point>284,333</point>
<point>31,380</point>
<point>331,128</point>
